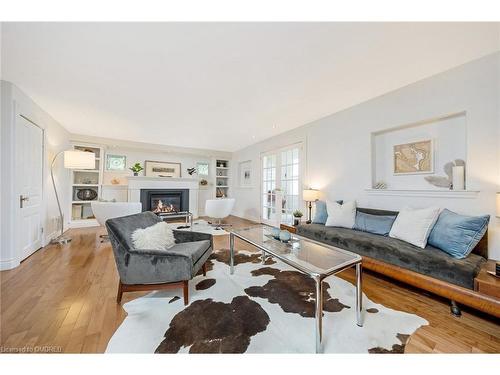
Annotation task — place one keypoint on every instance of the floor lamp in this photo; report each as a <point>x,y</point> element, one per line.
<point>310,195</point>
<point>73,159</point>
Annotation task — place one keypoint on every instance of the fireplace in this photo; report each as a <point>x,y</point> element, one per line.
<point>165,200</point>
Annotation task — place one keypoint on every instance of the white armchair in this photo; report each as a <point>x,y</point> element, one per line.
<point>219,209</point>
<point>110,210</point>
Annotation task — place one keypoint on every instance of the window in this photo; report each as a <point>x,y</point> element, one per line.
<point>202,168</point>
<point>115,162</point>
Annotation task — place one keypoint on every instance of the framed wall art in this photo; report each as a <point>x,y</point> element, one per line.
<point>162,169</point>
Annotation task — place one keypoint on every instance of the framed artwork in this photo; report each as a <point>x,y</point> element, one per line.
<point>245,172</point>
<point>162,169</point>
<point>115,162</point>
<point>414,158</point>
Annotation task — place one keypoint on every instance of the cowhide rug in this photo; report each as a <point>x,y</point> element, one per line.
<point>260,309</point>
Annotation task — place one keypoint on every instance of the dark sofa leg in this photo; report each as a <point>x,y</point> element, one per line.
<point>455,310</point>
<point>204,268</point>
<point>186,292</point>
<point>120,292</point>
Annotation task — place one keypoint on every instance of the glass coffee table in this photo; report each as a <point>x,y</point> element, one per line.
<point>310,257</point>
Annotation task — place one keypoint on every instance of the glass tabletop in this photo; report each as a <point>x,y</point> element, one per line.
<point>302,253</point>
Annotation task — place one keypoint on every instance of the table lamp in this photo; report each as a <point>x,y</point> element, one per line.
<point>309,196</point>
<point>73,159</point>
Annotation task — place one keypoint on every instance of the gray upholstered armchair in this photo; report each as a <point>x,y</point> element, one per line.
<point>142,270</point>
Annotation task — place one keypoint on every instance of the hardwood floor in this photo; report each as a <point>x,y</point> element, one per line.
<point>63,299</point>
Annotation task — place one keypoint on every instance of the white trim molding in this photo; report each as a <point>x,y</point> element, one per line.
<point>461,194</point>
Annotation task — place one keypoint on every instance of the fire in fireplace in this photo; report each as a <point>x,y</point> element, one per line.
<point>165,200</point>
<point>159,207</point>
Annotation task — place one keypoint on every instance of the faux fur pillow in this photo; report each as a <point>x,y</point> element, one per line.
<point>155,237</point>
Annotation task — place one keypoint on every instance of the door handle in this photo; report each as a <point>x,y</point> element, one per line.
<point>22,199</point>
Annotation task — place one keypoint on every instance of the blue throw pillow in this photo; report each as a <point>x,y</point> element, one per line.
<point>376,224</point>
<point>457,234</point>
<point>321,214</point>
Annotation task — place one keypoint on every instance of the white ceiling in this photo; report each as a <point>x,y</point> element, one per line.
<point>223,86</point>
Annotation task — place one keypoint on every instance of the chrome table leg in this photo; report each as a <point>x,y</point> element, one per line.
<point>319,313</point>
<point>359,294</point>
<point>231,253</point>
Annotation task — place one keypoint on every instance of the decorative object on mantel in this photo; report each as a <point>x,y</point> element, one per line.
<point>297,214</point>
<point>413,158</point>
<point>191,171</point>
<point>136,168</point>
<point>163,169</point>
<point>458,177</point>
<point>115,181</point>
<point>380,185</point>
<point>309,196</point>
<point>447,182</point>
<point>203,182</point>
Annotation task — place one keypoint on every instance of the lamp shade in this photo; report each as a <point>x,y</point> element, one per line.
<point>74,159</point>
<point>498,204</point>
<point>310,195</point>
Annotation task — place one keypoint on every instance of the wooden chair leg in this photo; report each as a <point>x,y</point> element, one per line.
<point>186,293</point>
<point>204,268</point>
<point>120,292</point>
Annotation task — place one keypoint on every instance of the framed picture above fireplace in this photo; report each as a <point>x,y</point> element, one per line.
<point>162,169</point>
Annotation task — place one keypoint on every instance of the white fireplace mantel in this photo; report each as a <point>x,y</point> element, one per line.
<point>136,183</point>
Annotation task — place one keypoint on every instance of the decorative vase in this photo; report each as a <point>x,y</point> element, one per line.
<point>86,194</point>
<point>275,232</point>
<point>296,221</point>
<point>136,174</point>
<point>285,236</point>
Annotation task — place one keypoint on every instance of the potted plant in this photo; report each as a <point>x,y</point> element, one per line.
<point>136,168</point>
<point>297,214</point>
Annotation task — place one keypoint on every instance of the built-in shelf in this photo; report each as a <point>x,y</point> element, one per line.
<point>462,194</point>
<point>81,211</point>
<point>222,167</point>
<point>87,170</point>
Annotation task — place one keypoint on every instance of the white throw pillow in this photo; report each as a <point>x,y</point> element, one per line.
<point>415,225</point>
<point>341,215</point>
<point>155,237</point>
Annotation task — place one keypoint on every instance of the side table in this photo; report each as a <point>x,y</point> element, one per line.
<point>485,283</point>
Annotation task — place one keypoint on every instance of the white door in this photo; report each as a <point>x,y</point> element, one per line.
<point>29,170</point>
<point>281,185</point>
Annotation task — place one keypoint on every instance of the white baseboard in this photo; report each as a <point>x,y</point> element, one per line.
<point>8,264</point>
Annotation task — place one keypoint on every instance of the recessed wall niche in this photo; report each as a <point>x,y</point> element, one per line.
<point>448,142</point>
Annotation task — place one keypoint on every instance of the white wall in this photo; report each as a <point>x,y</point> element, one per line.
<point>14,103</point>
<point>338,147</point>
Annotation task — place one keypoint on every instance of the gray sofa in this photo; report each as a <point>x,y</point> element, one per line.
<point>156,269</point>
<point>429,262</point>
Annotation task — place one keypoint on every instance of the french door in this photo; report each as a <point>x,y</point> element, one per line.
<point>281,184</point>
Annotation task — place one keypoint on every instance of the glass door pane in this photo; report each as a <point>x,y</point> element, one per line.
<point>269,193</point>
<point>290,178</point>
